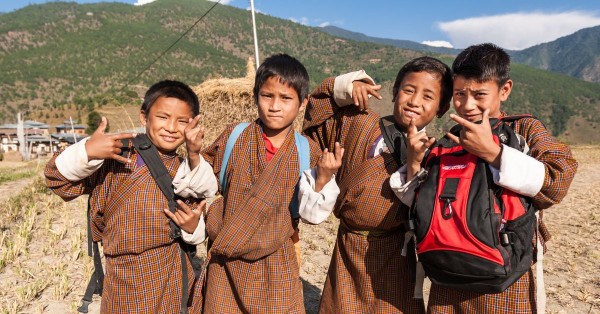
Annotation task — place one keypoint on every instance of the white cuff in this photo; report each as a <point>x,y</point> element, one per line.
<point>342,86</point>
<point>519,172</point>
<point>199,234</point>
<point>315,207</point>
<point>198,183</point>
<point>405,191</point>
<point>73,162</point>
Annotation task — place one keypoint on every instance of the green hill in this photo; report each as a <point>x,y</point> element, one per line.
<point>61,59</point>
<point>577,55</point>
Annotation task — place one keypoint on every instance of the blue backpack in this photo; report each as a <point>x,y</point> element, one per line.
<point>303,150</point>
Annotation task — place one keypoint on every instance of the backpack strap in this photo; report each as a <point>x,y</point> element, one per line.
<point>95,284</point>
<point>228,148</point>
<point>394,139</point>
<point>302,148</point>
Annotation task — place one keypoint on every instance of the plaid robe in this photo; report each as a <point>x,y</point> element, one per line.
<point>251,265</point>
<point>143,263</point>
<point>520,297</point>
<point>367,274</point>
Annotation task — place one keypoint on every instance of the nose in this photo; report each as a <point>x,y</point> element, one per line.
<point>171,125</point>
<point>275,104</point>
<point>412,101</point>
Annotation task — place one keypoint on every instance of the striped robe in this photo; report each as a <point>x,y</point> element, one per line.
<point>560,169</point>
<point>251,265</point>
<point>143,263</point>
<point>367,274</point>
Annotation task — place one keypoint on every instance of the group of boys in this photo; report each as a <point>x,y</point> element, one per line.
<point>358,164</point>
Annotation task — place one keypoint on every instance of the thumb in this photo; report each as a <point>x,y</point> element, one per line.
<point>485,117</point>
<point>412,128</point>
<point>101,126</point>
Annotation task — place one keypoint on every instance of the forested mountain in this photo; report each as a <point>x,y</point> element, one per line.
<point>404,44</point>
<point>577,55</point>
<point>67,57</point>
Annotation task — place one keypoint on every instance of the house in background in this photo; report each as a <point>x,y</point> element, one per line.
<point>67,128</point>
<point>37,138</point>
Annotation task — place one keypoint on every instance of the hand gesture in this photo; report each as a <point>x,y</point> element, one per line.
<point>186,218</point>
<point>361,92</point>
<point>194,134</point>
<point>418,144</point>
<point>106,146</point>
<point>477,138</point>
<point>328,165</point>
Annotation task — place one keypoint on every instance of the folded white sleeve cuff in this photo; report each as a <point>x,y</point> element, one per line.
<point>199,234</point>
<point>198,183</point>
<point>342,86</point>
<point>404,191</point>
<point>315,207</point>
<point>73,162</point>
<point>519,172</point>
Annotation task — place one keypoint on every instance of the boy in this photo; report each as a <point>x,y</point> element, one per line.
<point>481,84</point>
<point>128,211</point>
<point>368,273</point>
<point>251,266</point>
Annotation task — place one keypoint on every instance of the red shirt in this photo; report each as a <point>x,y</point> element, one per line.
<point>271,150</point>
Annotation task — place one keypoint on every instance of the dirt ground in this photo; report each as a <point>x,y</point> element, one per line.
<point>51,273</point>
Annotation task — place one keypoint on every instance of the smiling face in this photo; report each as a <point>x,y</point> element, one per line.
<point>166,121</point>
<point>471,98</point>
<point>278,106</point>
<point>418,98</point>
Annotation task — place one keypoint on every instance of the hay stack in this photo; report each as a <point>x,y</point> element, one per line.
<point>225,101</point>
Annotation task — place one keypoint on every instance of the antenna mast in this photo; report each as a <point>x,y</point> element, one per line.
<point>255,37</point>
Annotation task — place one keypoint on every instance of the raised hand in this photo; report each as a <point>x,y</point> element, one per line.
<point>194,134</point>
<point>417,146</point>
<point>361,92</point>
<point>186,218</point>
<point>477,139</point>
<point>106,146</point>
<point>328,165</point>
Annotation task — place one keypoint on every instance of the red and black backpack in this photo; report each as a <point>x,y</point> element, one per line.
<point>471,234</point>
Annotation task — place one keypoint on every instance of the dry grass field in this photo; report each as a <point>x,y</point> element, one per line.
<point>44,267</point>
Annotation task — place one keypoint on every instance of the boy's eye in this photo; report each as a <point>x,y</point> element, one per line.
<point>428,97</point>
<point>408,91</point>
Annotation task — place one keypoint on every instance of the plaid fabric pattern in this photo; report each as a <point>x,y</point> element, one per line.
<point>520,297</point>
<point>143,267</point>
<point>252,265</point>
<point>366,274</point>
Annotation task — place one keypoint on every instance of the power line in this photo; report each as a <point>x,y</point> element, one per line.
<point>171,46</point>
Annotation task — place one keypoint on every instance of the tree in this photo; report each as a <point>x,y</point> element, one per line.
<point>93,121</point>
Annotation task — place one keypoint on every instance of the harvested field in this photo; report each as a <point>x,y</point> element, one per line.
<point>44,267</point>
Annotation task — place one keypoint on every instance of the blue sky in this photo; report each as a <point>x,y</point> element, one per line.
<point>512,24</point>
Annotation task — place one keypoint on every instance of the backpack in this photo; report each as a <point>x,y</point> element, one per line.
<point>151,157</point>
<point>303,150</point>
<point>470,233</point>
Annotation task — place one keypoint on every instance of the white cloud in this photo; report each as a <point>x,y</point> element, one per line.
<point>517,30</point>
<point>437,43</point>
<point>222,1</point>
<point>302,20</point>
<point>142,2</point>
<point>324,24</point>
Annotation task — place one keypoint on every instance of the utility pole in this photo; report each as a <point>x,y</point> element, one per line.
<point>255,37</point>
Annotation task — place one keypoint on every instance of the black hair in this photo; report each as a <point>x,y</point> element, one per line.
<point>482,63</point>
<point>434,67</point>
<point>174,89</point>
<point>289,71</point>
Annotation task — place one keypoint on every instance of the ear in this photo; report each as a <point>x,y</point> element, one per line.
<point>303,104</point>
<point>505,90</point>
<point>143,119</point>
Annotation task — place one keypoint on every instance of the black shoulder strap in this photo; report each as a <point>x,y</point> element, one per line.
<point>394,139</point>
<point>159,172</point>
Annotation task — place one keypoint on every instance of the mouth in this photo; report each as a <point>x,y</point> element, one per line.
<point>472,117</point>
<point>169,139</point>
<point>410,113</point>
